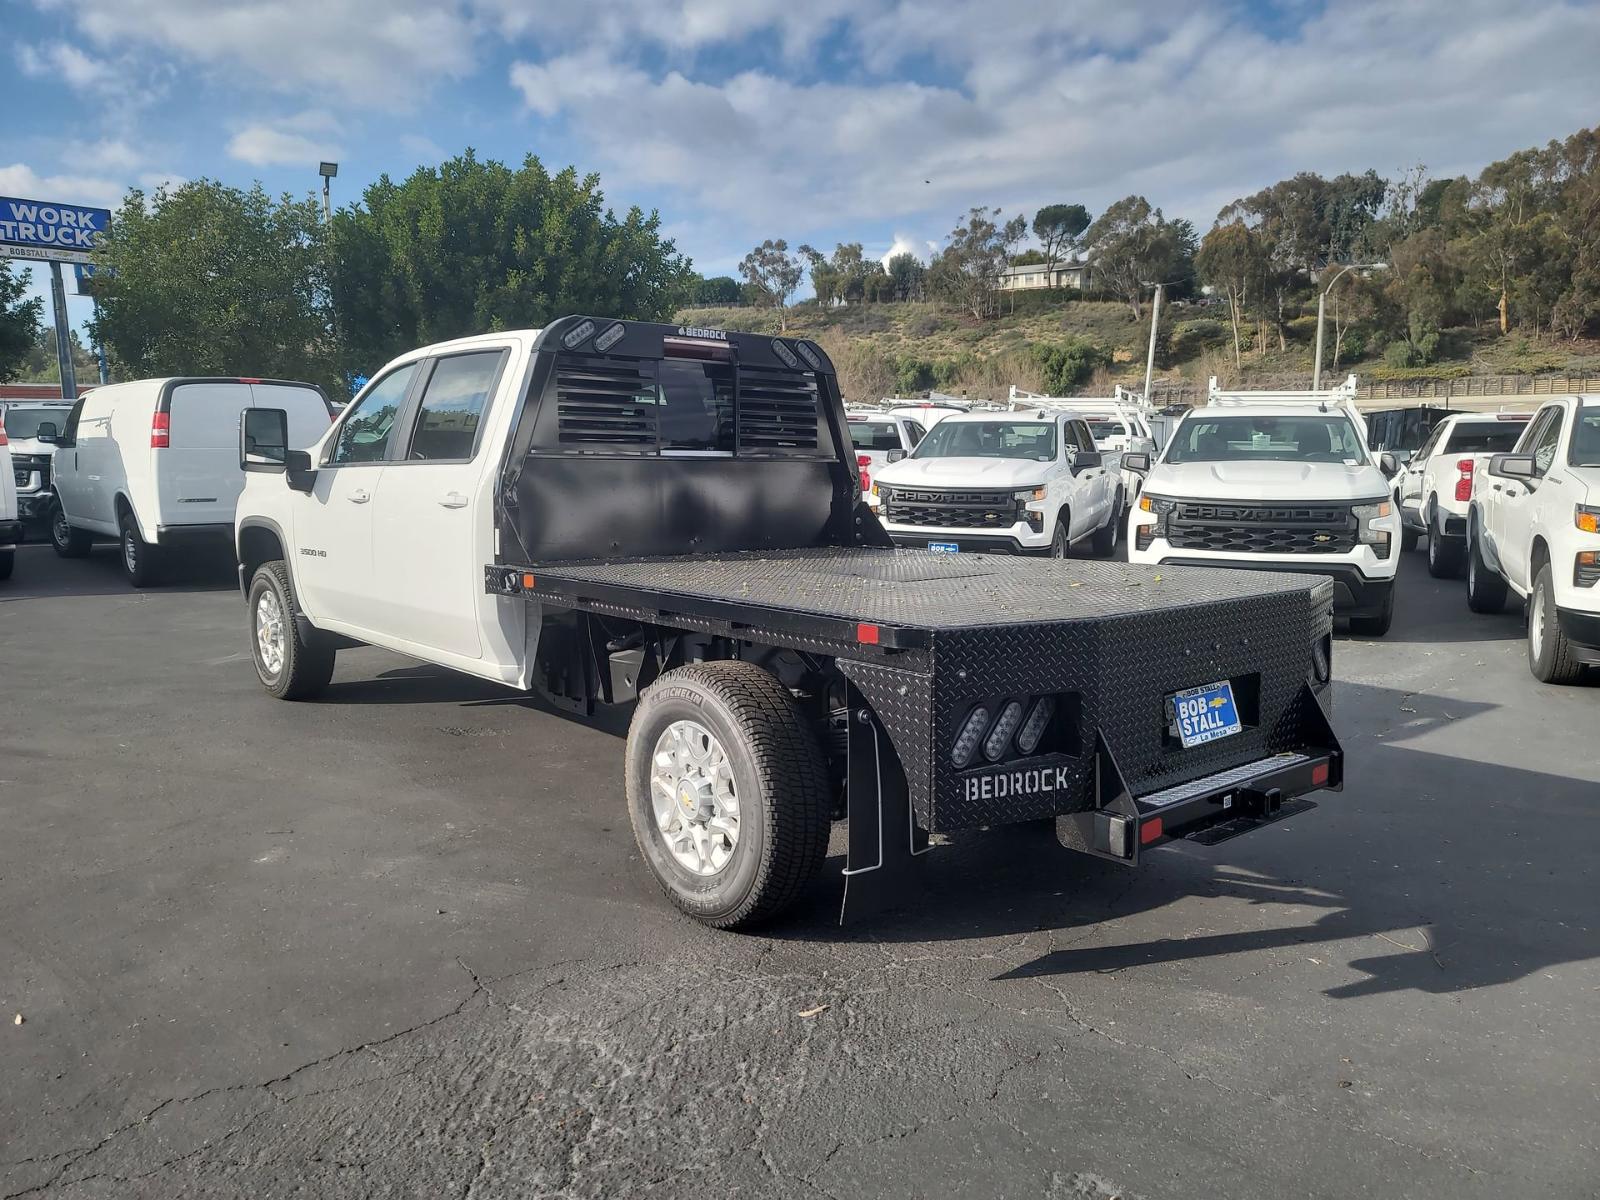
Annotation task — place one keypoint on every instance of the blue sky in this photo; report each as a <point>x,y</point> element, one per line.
<point>878,121</point>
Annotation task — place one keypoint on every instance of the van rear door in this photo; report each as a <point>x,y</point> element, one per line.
<point>198,479</point>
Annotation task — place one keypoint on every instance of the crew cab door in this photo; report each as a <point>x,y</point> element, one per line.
<point>333,522</point>
<point>1092,486</point>
<point>1412,479</point>
<point>432,516</point>
<point>65,476</point>
<point>1517,500</point>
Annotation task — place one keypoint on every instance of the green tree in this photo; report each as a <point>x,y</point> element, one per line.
<point>719,289</point>
<point>907,274</point>
<point>206,279</point>
<point>1060,228</point>
<point>844,276</point>
<point>19,322</point>
<point>967,272</point>
<point>475,245</point>
<point>773,275</point>
<point>1132,246</point>
<point>1232,261</point>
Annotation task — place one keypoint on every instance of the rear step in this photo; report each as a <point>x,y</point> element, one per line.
<point>1208,810</point>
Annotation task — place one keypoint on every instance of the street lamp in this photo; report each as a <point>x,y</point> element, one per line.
<point>1322,304</point>
<point>327,170</point>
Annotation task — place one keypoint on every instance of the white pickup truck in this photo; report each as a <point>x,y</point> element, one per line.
<point>1017,483</point>
<point>1276,481</point>
<point>10,524</point>
<point>1534,530</point>
<point>1434,491</point>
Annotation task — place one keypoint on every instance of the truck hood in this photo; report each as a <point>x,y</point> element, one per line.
<point>1266,481</point>
<point>963,472</point>
<point>32,446</point>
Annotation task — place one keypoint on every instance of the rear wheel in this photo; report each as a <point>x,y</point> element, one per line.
<point>289,665</point>
<point>1550,654</point>
<point>1486,589</point>
<point>1378,625</point>
<point>1104,542</point>
<point>69,542</point>
<point>728,793</point>
<point>1446,555</point>
<point>1408,538</point>
<point>140,560</point>
<point>8,560</point>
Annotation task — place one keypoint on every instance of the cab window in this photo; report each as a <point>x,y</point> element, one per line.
<point>365,432</point>
<point>453,401</point>
<point>1544,446</point>
<point>874,435</point>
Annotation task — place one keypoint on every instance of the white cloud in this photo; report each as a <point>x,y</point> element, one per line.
<point>19,179</point>
<point>907,245</point>
<point>423,147</point>
<point>64,62</point>
<point>302,139</point>
<point>380,54</point>
<point>1029,104</point>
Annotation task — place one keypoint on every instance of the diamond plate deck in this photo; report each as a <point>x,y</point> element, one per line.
<point>917,589</point>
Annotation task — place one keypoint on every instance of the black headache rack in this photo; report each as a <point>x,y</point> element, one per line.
<point>932,645</point>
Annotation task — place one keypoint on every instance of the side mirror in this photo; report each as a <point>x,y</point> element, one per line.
<point>48,431</point>
<point>1513,466</point>
<point>1082,460</point>
<point>896,455</point>
<point>1389,464</point>
<point>263,439</point>
<point>300,475</point>
<point>1137,460</point>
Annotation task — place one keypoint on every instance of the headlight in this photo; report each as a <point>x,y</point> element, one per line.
<point>882,493</point>
<point>1365,515</point>
<point>1587,518</point>
<point>1026,495</point>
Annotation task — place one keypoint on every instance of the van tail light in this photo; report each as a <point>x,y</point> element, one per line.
<point>160,431</point>
<point>864,461</point>
<point>1464,480</point>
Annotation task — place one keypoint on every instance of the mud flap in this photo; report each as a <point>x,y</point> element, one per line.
<point>1110,829</point>
<point>884,838</point>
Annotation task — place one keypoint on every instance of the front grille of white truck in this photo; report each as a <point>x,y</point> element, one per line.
<point>951,509</point>
<point>1263,528</point>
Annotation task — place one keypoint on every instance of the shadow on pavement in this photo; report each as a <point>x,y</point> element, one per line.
<point>43,574</point>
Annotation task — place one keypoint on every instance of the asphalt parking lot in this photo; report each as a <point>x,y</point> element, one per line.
<point>398,943</point>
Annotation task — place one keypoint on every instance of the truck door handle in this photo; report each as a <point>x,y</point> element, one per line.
<point>453,500</point>
<point>360,496</point>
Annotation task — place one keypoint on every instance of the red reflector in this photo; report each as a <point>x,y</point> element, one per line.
<point>863,460</point>
<point>1149,830</point>
<point>866,634</point>
<point>248,379</point>
<point>1464,466</point>
<point>1319,775</point>
<point>161,431</point>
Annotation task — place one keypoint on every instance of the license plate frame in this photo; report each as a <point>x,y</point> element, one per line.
<point>1201,715</point>
<point>944,547</point>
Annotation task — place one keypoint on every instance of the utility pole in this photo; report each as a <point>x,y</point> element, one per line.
<point>58,306</point>
<point>1150,357</point>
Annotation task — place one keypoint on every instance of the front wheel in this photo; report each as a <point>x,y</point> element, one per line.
<point>1550,653</point>
<point>289,665</point>
<point>69,541</point>
<point>728,793</point>
<point>1486,587</point>
<point>1060,543</point>
<point>1376,626</point>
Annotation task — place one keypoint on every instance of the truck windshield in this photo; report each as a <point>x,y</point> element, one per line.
<point>1480,437</point>
<point>1586,439</point>
<point>989,439</point>
<point>24,422</point>
<point>1103,429</point>
<point>874,435</point>
<point>1325,437</point>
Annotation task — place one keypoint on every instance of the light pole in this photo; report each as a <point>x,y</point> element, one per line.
<point>327,170</point>
<point>1322,306</point>
<point>1150,355</point>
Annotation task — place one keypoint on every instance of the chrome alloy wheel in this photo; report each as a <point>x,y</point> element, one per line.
<point>692,796</point>
<point>269,631</point>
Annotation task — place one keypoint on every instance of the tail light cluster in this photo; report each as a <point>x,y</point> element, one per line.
<point>1464,480</point>
<point>161,431</point>
<point>1018,727</point>
<point>4,441</point>
<point>863,465</point>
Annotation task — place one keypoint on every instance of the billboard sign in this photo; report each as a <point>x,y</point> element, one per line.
<point>64,232</point>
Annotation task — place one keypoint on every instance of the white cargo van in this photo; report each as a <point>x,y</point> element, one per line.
<point>155,463</point>
<point>10,525</point>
